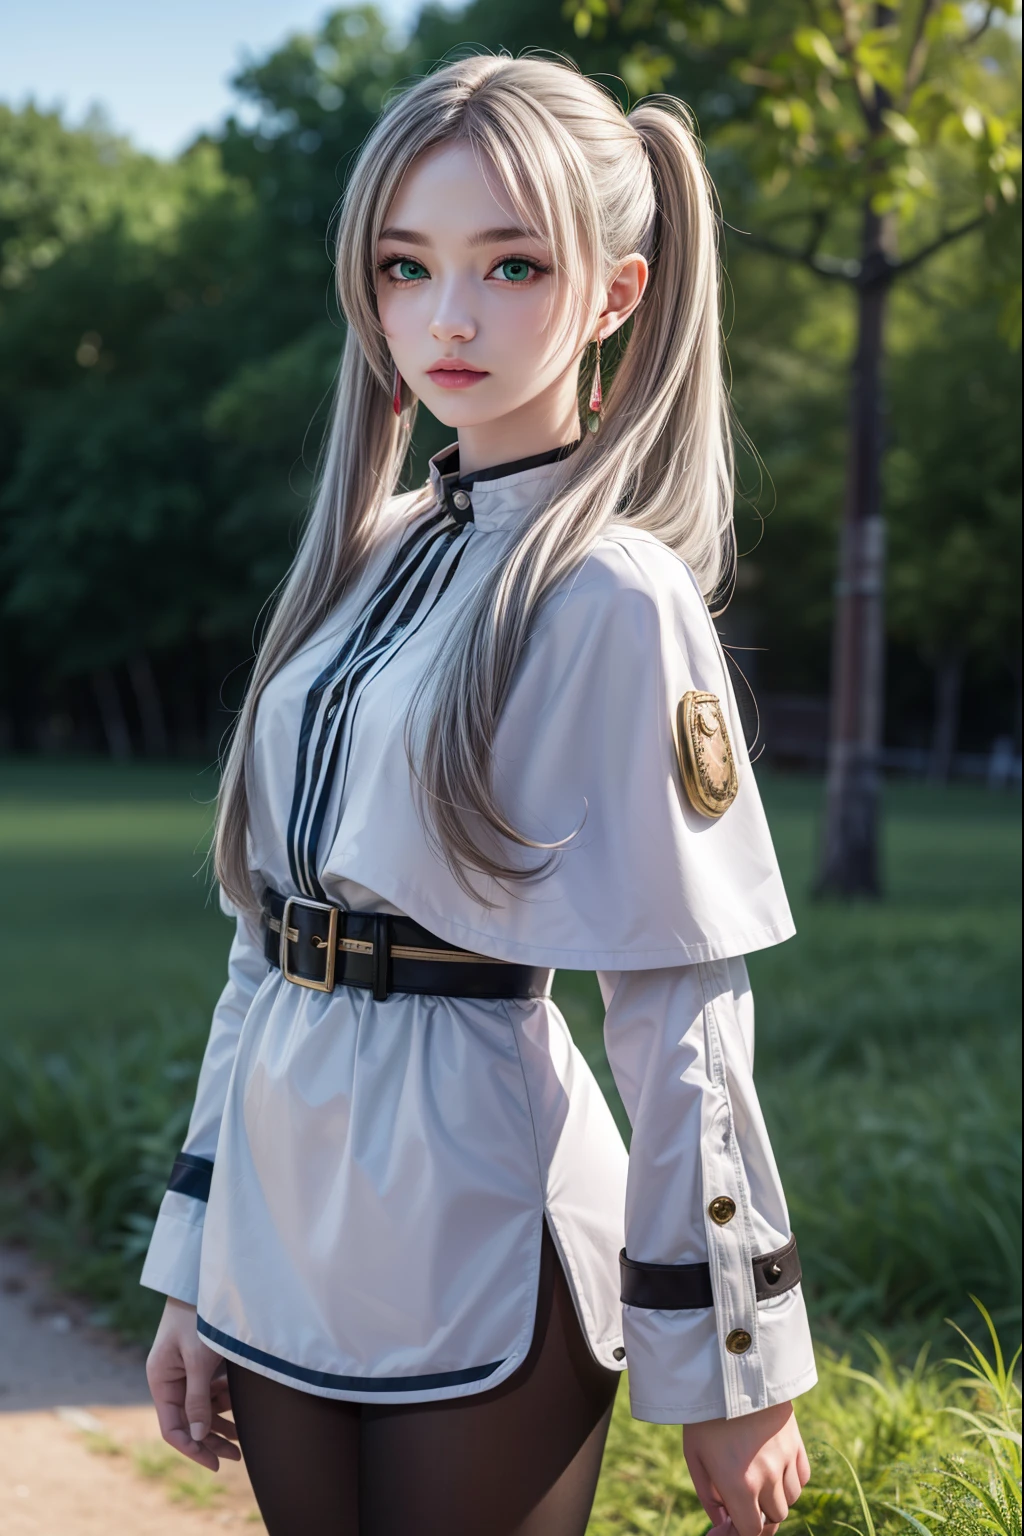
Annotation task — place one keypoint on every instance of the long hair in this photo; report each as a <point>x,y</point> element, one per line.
<point>598,185</point>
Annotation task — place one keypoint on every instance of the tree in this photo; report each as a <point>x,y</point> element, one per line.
<point>953,489</point>
<point>875,135</point>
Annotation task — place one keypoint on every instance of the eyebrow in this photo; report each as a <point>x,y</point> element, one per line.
<point>482,236</point>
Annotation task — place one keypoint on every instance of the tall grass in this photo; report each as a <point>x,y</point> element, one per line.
<point>932,1447</point>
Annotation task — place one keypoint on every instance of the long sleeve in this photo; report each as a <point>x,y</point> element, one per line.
<point>703,1201</point>
<point>172,1263</point>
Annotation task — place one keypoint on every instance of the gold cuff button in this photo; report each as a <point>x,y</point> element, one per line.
<point>721,1210</point>
<point>738,1342</point>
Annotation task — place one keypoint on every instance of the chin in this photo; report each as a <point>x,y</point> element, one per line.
<point>459,412</point>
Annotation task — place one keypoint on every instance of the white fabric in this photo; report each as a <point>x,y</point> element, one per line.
<point>382,1170</point>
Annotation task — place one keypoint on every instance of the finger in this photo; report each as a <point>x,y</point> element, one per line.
<point>170,1416</point>
<point>773,1502</point>
<point>744,1511</point>
<point>222,1448</point>
<point>791,1483</point>
<point>198,1405</point>
<point>803,1466</point>
<point>181,1440</point>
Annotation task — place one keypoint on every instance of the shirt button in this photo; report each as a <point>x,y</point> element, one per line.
<point>738,1342</point>
<point>721,1210</point>
<point>461,500</point>
<point>619,1354</point>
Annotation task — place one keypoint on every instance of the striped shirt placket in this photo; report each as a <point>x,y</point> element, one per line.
<point>403,601</point>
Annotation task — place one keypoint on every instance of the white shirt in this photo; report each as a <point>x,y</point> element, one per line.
<point>379,1172</point>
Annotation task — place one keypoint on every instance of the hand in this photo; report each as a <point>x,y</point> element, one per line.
<point>190,1390</point>
<point>748,1472</point>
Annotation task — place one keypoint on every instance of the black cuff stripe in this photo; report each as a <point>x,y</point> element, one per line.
<point>191,1176</point>
<point>687,1287</point>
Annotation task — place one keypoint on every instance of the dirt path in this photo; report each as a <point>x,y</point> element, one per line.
<point>80,1453</point>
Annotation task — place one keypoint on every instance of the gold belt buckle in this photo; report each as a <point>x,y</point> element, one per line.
<point>330,944</point>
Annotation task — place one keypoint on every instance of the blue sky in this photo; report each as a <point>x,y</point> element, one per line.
<point>160,71</point>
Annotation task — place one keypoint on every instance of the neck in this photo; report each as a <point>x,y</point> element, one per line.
<point>549,420</point>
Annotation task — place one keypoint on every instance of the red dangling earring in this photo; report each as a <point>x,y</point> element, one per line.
<point>396,394</point>
<point>594,403</point>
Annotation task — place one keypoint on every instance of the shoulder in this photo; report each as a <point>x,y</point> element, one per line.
<point>630,578</point>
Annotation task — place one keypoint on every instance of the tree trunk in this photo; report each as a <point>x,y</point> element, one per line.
<point>849,849</point>
<point>949,676</point>
<point>108,701</point>
<point>151,714</point>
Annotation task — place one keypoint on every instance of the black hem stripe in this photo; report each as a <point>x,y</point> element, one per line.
<point>381,1384</point>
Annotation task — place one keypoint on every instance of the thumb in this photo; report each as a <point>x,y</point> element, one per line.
<point>199,1369</point>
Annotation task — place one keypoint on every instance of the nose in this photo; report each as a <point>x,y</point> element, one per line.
<point>452,320</point>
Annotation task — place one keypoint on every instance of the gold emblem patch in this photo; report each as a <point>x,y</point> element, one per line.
<point>705,754</point>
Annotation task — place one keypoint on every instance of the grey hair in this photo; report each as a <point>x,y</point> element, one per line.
<point>598,185</point>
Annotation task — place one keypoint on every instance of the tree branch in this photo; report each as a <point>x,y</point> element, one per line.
<point>980,29</point>
<point>849,22</point>
<point>825,266</point>
<point>918,55</point>
<point>946,238</point>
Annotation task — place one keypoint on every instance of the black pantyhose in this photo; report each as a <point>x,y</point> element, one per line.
<point>520,1460</point>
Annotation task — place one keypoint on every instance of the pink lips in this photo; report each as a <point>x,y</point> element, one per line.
<point>453,374</point>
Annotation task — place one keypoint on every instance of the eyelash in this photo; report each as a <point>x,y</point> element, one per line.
<point>386,267</point>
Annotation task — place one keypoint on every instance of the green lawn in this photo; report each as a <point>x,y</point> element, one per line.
<point>888,1064</point>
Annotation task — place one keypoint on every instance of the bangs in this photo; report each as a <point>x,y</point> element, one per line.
<point>538,167</point>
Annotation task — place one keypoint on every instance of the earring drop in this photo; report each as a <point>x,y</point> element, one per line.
<point>396,393</point>
<point>594,403</point>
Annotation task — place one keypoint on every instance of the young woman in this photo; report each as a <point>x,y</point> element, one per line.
<point>491,733</point>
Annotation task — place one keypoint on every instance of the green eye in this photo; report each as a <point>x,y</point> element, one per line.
<point>515,271</point>
<point>410,271</point>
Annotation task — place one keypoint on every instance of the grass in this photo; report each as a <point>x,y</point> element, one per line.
<point>888,1065</point>
<point>924,1442</point>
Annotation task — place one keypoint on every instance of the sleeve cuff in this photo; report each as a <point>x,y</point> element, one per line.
<point>172,1263</point>
<point>675,1362</point>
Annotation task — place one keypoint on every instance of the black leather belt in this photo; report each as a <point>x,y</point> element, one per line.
<point>321,946</point>
<point>685,1287</point>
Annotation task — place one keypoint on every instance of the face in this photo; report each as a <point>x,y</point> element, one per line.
<point>467,297</point>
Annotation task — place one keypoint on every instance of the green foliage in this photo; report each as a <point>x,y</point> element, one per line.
<point>909,107</point>
<point>887,1447</point>
<point>168,336</point>
<point>954,475</point>
<point>90,1132</point>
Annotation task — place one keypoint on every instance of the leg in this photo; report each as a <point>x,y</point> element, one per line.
<point>301,1453</point>
<point>521,1460</point>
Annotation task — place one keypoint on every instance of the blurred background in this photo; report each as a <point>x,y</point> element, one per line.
<point>168,341</point>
